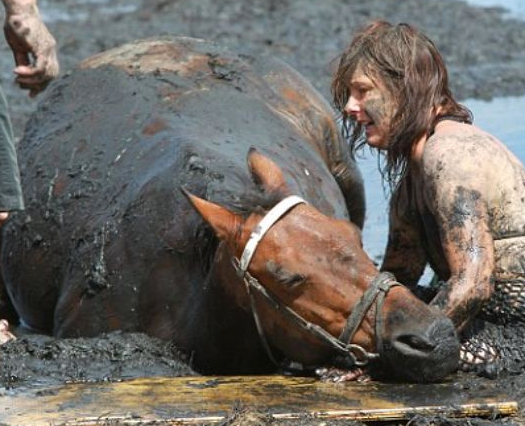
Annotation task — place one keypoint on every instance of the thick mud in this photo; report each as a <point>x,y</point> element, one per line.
<point>45,361</point>
<point>484,51</point>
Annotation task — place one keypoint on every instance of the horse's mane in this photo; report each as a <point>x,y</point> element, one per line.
<point>256,199</point>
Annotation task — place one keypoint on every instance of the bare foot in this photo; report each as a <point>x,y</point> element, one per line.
<point>337,375</point>
<point>5,334</point>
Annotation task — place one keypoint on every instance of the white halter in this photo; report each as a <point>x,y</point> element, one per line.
<point>263,226</point>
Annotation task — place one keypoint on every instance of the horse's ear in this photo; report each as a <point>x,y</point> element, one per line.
<point>224,222</point>
<point>266,173</point>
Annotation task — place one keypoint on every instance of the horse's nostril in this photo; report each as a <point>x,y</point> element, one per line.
<point>416,342</point>
<point>423,352</point>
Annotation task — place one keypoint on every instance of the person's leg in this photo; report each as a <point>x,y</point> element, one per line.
<point>10,199</point>
<point>5,334</point>
<point>10,188</point>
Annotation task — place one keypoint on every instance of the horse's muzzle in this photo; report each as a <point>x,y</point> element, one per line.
<point>422,353</point>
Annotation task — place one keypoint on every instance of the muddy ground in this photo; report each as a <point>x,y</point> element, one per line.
<point>484,51</point>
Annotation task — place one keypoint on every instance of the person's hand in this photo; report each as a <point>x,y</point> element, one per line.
<point>337,375</point>
<point>33,46</point>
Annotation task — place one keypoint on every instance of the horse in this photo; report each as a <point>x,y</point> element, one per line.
<point>139,200</point>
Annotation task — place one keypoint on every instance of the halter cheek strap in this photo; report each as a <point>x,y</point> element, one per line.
<point>241,266</point>
<point>376,292</point>
<point>264,225</point>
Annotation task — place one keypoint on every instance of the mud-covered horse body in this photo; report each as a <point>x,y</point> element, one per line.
<point>108,241</point>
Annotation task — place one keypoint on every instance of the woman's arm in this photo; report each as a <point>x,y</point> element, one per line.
<point>454,193</point>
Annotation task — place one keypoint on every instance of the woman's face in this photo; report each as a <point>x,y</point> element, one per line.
<point>372,106</point>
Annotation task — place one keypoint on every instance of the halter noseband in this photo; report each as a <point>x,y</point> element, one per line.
<point>377,291</point>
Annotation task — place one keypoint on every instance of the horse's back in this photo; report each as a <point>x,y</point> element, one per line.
<point>108,241</point>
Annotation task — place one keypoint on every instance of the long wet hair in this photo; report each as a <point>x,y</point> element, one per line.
<point>409,65</point>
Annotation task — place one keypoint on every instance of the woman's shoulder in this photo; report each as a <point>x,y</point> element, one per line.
<point>459,143</point>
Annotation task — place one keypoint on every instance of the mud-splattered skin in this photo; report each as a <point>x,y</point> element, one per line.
<point>376,109</point>
<point>370,106</point>
<point>461,208</point>
<point>107,227</point>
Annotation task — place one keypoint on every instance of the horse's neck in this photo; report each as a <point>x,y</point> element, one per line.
<point>224,338</point>
<point>225,277</point>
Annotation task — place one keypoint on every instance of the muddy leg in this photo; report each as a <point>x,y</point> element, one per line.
<point>7,312</point>
<point>5,334</point>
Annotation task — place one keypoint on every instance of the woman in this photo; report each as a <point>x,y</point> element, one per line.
<point>458,194</point>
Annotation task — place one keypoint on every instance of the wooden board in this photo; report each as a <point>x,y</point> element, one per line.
<point>210,399</point>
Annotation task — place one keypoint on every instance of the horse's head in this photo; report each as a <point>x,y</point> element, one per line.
<point>315,265</point>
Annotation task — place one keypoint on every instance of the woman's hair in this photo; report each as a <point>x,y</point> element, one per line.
<point>409,65</point>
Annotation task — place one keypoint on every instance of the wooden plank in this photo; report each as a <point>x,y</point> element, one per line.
<point>191,400</point>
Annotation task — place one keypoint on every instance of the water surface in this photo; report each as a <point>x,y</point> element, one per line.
<point>513,8</point>
<point>81,10</point>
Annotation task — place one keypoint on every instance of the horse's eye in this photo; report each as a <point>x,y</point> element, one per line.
<point>294,280</point>
<point>282,276</point>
